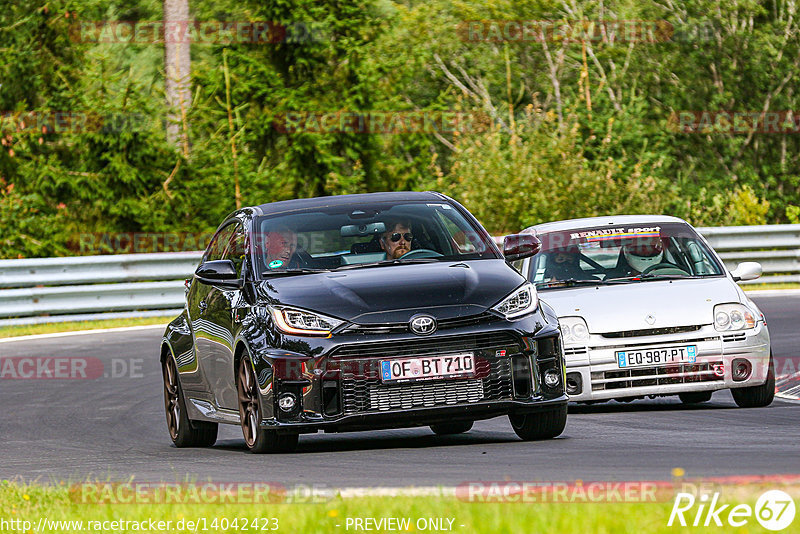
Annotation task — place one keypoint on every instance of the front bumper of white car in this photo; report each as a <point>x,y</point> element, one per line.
<point>723,360</point>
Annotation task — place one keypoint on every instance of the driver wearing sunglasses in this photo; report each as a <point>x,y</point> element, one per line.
<point>396,240</point>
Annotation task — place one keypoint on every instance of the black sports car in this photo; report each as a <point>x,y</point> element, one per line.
<point>360,312</point>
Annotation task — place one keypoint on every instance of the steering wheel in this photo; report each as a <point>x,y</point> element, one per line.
<point>663,265</point>
<point>420,253</point>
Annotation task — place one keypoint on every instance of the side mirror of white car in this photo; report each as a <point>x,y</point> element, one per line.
<point>748,270</point>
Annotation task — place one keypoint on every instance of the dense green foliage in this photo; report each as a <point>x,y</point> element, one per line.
<point>572,128</point>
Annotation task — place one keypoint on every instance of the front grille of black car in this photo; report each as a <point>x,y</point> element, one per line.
<point>371,395</point>
<point>363,391</point>
<point>397,328</point>
<point>655,376</point>
<point>427,346</point>
<point>651,332</point>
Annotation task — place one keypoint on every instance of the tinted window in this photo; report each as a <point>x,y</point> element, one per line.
<point>216,248</point>
<point>236,248</point>
<point>353,235</point>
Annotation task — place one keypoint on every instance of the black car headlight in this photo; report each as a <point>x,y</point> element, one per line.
<point>303,322</point>
<point>521,301</point>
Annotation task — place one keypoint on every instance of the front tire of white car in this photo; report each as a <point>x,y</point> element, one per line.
<point>695,397</point>
<point>757,396</point>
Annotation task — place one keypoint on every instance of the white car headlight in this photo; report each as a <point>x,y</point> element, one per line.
<point>574,330</point>
<point>521,301</point>
<point>302,322</point>
<point>728,317</point>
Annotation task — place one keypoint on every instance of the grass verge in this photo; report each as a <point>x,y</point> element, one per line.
<point>31,503</point>
<point>51,328</point>
<point>759,287</point>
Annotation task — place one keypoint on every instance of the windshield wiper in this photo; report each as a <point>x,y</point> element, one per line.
<point>384,263</point>
<point>571,282</point>
<point>648,276</point>
<point>294,271</point>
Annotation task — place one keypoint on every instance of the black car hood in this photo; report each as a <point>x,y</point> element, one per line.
<point>389,294</point>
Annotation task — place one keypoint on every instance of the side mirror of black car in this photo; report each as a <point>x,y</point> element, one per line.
<point>519,246</point>
<point>218,272</point>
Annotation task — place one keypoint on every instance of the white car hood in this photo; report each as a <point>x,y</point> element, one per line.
<point>614,308</point>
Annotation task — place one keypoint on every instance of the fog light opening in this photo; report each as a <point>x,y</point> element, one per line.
<point>574,384</point>
<point>719,369</point>
<point>741,369</point>
<point>287,402</point>
<point>552,378</point>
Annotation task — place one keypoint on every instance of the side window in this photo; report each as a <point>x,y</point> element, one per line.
<point>236,249</point>
<point>463,239</point>
<point>216,249</point>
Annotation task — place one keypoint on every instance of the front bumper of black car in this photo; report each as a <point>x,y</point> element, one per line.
<point>412,418</point>
<point>342,390</point>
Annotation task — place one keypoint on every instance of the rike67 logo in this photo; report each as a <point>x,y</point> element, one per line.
<point>774,510</point>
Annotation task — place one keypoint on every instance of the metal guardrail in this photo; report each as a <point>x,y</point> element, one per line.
<point>97,269</point>
<point>43,290</point>
<point>736,244</point>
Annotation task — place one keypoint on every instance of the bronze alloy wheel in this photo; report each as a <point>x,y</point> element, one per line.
<point>172,403</point>
<point>248,402</point>
<point>258,440</point>
<point>183,431</point>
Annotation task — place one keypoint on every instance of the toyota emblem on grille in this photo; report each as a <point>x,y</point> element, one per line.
<point>422,325</point>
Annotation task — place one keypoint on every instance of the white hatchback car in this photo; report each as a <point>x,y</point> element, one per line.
<point>647,309</point>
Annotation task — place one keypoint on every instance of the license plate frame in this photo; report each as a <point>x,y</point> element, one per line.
<point>421,368</point>
<point>656,356</point>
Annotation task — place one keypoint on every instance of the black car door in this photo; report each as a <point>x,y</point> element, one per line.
<point>208,334</point>
<point>222,302</point>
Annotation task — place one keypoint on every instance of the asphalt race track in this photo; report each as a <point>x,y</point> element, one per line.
<point>110,428</point>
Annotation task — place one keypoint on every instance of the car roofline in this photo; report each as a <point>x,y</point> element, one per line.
<point>569,224</point>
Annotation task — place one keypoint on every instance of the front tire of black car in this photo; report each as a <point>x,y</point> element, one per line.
<point>456,427</point>
<point>183,431</point>
<point>695,397</point>
<point>546,424</point>
<point>757,396</point>
<point>258,440</point>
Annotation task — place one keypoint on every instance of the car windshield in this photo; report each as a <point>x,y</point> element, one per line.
<point>621,254</point>
<point>359,236</point>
